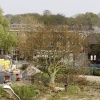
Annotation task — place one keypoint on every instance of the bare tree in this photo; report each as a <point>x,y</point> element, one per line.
<point>53,47</point>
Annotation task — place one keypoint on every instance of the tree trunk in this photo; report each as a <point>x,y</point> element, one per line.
<point>52,80</point>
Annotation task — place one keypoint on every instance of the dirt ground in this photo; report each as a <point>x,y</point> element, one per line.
<point>92,78</point>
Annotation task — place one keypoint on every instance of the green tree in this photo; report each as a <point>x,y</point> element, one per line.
<point>7,39</point>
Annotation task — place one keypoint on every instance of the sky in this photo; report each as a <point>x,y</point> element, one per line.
<point>65,7</point>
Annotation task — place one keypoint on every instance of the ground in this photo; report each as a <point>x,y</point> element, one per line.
<point>88,92</point>
<point>92,78</point>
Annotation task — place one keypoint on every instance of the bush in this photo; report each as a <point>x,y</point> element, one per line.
<point>26,92</point>
<point>96,71</point>
<point>74,71</point>
<point>61,78</point>
<point>72,79</point>
<point>81,81</point>
<point>24,66</point>
<point>40,79</point>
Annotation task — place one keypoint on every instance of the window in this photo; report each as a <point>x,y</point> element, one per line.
<point>93,57</point>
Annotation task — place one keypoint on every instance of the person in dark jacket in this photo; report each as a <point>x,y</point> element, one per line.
<point>66,85</point>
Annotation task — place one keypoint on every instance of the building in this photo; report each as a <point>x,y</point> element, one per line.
<point>90,32</point>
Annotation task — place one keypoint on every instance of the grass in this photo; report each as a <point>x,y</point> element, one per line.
<point>73,89</point>
<point>76,92</point>
<point>2,93</point>
<point>29,92</point>
<point>24,92</point>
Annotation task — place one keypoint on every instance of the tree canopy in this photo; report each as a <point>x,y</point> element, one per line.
<point>49,46</point>
<point>48,18</point>
<point>7,39</point>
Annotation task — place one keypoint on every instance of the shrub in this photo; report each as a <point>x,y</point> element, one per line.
<point>74,71</point>
<point>26,92</point>
<point>96,71</point>
<point>24,66</point>
<point>61,78</point>
<point>81,81</point>
<point>72,79</point>
<point>40,79</point>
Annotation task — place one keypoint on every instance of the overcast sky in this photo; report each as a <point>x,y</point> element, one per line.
<point>65,7</point>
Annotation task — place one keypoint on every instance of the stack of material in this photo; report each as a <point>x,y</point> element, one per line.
<point>13,76</point>
<point>5,63</point>
<point>1,77</point>
<point>7,77</point>
<point>17,73</point>
<point>1,68</point>
<point>32,71</point>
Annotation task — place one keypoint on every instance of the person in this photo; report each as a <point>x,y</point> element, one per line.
<point>66,85</point>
